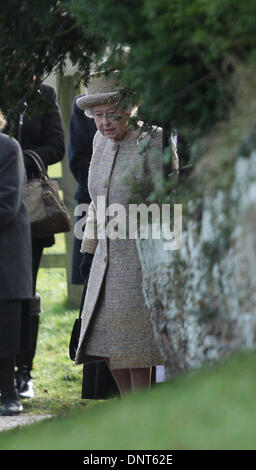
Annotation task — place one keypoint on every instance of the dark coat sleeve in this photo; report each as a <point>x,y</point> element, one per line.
<point>80,138</point>
<point>12,175</point>
<point>51,147</point>
<point>41,130</point>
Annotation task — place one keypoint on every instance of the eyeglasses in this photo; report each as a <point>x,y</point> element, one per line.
<point>110,115</point>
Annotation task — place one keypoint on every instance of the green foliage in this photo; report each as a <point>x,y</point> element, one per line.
<point>248,144</point>
<point>182,54</point>
<point>35,38</point>
<point>179,57</point>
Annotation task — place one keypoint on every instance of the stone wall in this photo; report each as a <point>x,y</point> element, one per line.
<point>202,297</point>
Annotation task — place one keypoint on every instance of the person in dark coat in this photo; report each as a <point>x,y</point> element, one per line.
<point>15,266</point>
<point>80,137</point>
<point>98,382</point>
<point>41,131</point>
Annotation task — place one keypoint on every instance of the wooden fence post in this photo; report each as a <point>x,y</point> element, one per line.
<point>66,91</point>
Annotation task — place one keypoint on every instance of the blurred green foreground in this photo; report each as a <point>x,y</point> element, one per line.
<point>210,409</point>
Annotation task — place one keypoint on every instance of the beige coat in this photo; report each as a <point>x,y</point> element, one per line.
<point>115,321</point>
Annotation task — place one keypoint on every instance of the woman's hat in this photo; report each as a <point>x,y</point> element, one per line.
<point>102,88</point>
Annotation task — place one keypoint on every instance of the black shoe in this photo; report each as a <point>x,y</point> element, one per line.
<point>11,408</point>
<point>24,384</point>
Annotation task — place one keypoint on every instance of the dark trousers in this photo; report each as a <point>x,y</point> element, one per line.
<point>10,327</point>
<point>10,335</point>
<point>30,320</point>
<point>98,382</point>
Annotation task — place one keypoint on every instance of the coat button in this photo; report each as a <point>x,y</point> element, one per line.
<point>105,259</point>
<point>115,146</point>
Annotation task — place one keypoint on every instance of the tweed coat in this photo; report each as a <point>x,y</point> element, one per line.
<point>115,321</point>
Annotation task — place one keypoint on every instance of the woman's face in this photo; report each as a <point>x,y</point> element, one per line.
<point>110,121</point>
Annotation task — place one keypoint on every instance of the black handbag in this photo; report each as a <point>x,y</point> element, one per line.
<point>74,338</point>
<point>47,212</point>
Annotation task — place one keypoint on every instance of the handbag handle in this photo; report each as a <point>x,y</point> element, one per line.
<point>39,162</point>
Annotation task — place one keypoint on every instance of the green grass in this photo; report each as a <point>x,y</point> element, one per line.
<point>213,408</point>
<point>55,171</point>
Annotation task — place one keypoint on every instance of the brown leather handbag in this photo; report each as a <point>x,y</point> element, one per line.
<point>47,212</point>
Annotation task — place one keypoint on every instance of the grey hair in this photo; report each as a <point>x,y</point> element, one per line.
<point>2,121</point>
<point>88,112</point>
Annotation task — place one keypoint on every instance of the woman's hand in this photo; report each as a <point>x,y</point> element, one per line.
<point>85,265</point>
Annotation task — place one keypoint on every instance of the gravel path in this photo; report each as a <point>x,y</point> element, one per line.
<point>10,422</point>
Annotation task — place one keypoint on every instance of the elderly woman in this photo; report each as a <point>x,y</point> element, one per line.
<point>15,265</point>
<point>116,325</point>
